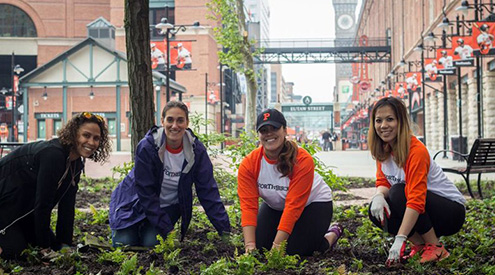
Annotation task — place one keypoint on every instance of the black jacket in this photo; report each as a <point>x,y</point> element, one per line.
<point>29,183</point>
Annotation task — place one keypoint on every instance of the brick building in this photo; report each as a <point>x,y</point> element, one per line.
<point>408,24</point>
<point>50,41</point>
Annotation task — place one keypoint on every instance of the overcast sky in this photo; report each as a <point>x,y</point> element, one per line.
<point>310,19</point>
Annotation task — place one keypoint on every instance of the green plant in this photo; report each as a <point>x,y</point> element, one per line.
<point>116,256</point>
<point>166,245</point>
<point>32,255</point>
<point>122,170</point>
<point>129,267</point>
<point>220,267</point>
<point>99,216</point>
<point>152,270</point>
<point>173,260</point>
<point>246,263</point>
<point>277,259</point>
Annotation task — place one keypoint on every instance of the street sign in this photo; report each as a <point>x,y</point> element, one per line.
<point>307,100</point>
<point>305,108</point>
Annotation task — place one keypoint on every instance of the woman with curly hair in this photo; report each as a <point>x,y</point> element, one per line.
<point>297,204</point>
<point>37,176</point>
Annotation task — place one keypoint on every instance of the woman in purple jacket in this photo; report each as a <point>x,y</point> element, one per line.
<point>158,190</point>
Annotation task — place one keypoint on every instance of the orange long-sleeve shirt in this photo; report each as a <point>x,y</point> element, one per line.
<point>419,174</point>
<point>258,177</point>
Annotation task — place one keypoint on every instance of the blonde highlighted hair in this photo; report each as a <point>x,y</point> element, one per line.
<point>400,148</point>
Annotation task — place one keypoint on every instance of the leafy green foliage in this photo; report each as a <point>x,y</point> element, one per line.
<point>277,259</point>
<point>116,256</point>
<point>129,267</point>
<point>99,216</point>
<point>122,170</point>
<point>166,245</point>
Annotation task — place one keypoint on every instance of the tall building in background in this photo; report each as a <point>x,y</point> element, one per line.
<point>345,30</point>
<point>258,17</point>
<point>42,36</point>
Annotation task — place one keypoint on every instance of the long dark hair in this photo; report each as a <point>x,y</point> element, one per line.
<point>68,135</point>
<point>287,158</point>
<point>379,149</point>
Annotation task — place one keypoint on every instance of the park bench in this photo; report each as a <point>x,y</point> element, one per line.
<point>481,159</point>
<point>7,147</point>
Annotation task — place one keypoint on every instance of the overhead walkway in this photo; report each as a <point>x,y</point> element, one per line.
<point>364,50</point>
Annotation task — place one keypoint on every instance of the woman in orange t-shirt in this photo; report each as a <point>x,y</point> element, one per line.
<point>297,203</point>
<point>414,199</point>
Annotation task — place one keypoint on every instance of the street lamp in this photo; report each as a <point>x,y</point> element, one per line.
<point>169,29</point>
<point>15,70</point>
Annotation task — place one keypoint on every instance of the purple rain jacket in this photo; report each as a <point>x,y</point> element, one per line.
<point>138,196</point>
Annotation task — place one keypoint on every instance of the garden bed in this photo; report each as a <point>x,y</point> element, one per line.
<point>362,250</point>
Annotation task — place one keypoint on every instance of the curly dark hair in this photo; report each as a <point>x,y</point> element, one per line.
<point>68,135</point>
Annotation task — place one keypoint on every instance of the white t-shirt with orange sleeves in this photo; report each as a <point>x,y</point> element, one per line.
<point>419,174</point>
<point>258,177</point>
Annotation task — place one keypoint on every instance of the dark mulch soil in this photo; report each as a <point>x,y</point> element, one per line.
<point>355,182</point>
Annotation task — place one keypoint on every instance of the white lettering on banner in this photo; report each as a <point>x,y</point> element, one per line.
<point>307,108</point>
<point>50,115</point>
<point>463,63</point>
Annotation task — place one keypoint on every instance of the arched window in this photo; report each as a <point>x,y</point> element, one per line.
<point>14,22</point>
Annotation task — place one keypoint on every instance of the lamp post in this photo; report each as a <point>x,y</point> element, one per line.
<point>15,70</point>
<point>169,29</point>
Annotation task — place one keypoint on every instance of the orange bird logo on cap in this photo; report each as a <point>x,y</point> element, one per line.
<point>266,116</point>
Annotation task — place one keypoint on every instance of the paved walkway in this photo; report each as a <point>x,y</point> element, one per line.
<point>351,163</point>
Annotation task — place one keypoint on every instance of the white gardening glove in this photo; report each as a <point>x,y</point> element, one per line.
<point>396,252</point>
<point>378,205</point>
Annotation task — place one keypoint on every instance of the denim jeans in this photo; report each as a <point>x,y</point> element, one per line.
<point>142,233</point>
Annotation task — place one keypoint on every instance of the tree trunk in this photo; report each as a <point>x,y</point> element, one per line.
<point>136,24</point>
<point>249,65</point>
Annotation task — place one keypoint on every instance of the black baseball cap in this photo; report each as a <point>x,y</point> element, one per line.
<point>270,117</point>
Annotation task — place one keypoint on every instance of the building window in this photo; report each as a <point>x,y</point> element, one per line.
<point>156,14</point>
<point>14,22</point>
<point>112,127</point>
<point>41,129</point>
<point>57,125</point>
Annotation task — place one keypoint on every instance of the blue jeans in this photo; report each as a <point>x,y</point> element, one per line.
<point>143,233</point>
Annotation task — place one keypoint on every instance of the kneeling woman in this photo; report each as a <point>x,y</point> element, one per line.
<point>297,203</point>
<point>158,190</point>
<point>413,196</point>
<point>37,176</point>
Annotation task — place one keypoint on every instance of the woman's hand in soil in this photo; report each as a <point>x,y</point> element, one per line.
<point>397,250</point>
<point>250,247</point>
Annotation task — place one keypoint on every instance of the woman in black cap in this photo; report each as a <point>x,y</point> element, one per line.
<point>297,203</point>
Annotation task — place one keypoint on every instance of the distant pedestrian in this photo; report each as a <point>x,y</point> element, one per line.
<point>38,176</point>
<point>297,204</point>
<point>158,190</point>
<point>414,199</point>
<point>326,141</point>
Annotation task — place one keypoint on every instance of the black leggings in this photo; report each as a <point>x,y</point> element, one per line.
<point>308,233</point>
<point>444,215</point>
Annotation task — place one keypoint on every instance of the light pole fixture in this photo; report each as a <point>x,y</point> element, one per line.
<point>91,94</point>
<point>418,48</point>
<point>445,23</point>
<point>430,37</point>
<point>15,70</point>
<point>169,29</point>
<point>402,62</point>
<point>45,95</point>
<point>465,7</point>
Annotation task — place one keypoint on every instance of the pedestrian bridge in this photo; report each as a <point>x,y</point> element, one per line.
<point>363,50</point>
